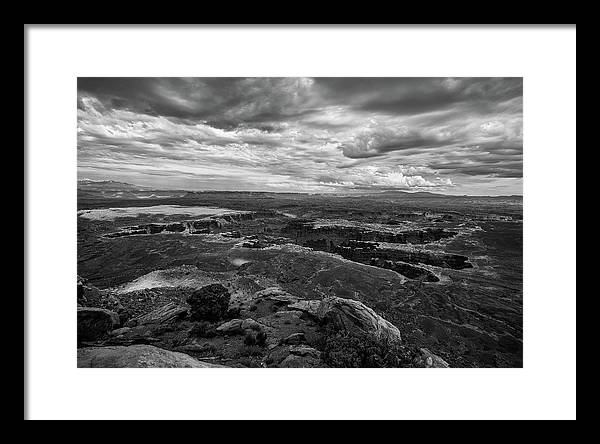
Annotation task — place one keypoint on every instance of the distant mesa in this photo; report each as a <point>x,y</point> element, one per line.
<point>161,210</point>
<point>206,225</point>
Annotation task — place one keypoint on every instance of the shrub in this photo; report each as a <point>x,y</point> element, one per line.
<point>252,338</point>
<point>347,350</point>
<point>233,313</point>
<point>249,362</point>
<point>261,338</point>
<point>250,350</point>
<point>203,329</point>
<point>209,303</point>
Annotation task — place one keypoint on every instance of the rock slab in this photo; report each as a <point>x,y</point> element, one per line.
<point>136,356</point>
<point>348,315</point>
<point>429,360</point>
<point>161,315</point>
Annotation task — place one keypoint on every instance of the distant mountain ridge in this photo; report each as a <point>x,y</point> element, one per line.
<point>430,194</point>
<point>124,187</point>
<point>113,184</point>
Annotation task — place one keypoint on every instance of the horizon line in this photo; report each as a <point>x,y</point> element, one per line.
<point>404,191</point>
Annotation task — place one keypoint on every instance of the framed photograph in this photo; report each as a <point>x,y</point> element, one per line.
<point>360,212</point>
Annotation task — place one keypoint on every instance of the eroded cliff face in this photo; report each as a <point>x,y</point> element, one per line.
<point>407,270</point>
<point>443,260</point>
<point>363,245</point>
<point>205,225</point>
<point>304,231</point>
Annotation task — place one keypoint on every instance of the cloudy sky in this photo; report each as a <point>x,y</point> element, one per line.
<point>444,135</point>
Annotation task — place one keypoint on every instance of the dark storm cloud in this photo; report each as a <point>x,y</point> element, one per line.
<point>304,134</point>
<point>440,111</point>
<point>378,143</point>
<point>276,98</point>
<point>493,169</point>
<point>225,101</point>
<point>420,95</point>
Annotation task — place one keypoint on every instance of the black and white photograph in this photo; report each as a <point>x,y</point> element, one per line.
<point>254,222</point>
<point>299,222</point>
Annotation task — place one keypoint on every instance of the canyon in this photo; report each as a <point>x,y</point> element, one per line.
<point>444,272</point>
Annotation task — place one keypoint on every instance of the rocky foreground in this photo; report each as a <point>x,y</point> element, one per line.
<point>206,327</point>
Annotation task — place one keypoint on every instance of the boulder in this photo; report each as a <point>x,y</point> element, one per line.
<point>94,323</point>
<point>294,339</point>
<point>276,294</point>
<point>294,361</point>
<point>298,356</point>
<point>276,355</point>
<point>269,300</point>
<point>310,307</point>
<point>305,351</point>
<point>302,356</point>
<point>354,317</point>
<point>166,313</point>
<point>134,335</point>
<point>233,327</point>
<point>239,326</point>
<point>251,324</point>
<point>429,360</point>
<point>120,331</point>
<point>136,356</point>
